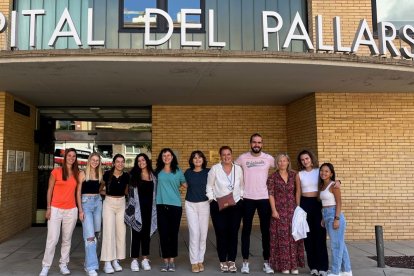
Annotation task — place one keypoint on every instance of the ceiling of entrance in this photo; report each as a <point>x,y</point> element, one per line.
<point>143,78</point>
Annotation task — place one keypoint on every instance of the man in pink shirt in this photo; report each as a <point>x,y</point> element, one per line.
<point>256,165</point>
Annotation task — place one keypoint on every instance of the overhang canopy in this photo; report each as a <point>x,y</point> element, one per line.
<point>184,77</point>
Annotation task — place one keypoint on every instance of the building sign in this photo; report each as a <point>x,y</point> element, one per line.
<point>272,22</point>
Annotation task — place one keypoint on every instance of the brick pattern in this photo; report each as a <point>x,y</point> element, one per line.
<point>370,140</point>
<point>207,128</point>
<point>16,188</point>
<point>350,12</point>
<point>5,8</point>
<point>301,127</point>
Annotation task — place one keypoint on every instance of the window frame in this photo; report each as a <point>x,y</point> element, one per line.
<point>162,23</point>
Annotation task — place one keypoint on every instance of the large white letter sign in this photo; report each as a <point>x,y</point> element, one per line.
<point>364,31</point>
<point>185,26</point>
<point>266,29</point>
<point>211,42</point>
<point>13,29</point>
<point>407,38</point>
<point>387,42</point>
<point>298,23</point>
<point>319,35</point>
<point>58,30</point>
<point>32,24</point>
<point>92,42</point>
<point>147,17</point>
<point>2,22</point>
<point>337,36</point>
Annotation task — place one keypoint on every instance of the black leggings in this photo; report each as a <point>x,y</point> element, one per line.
<point>168,218</point>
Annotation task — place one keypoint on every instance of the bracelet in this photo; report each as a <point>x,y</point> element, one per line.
<point>336,218</point>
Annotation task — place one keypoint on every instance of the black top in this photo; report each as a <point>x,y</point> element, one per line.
<point>116,187</point>
<point>145,191</point>
<point>90,187</point>
<point>197,182</point>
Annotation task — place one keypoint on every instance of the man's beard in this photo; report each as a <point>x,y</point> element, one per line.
<point>256,150</point>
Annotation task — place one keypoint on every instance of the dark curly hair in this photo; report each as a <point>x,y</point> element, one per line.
<point>160,163</point>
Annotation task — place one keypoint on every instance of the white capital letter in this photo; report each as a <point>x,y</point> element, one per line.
<point>92,42</point>
<point>406,37</point>
<point>319,35</point>
<point>364,31</point>
<point>386,42</point>
<point>298,23</point>
<point>147,40</point>
<point>211,42</point>
<point>13,29</point>
<point>58,30</point>
<point>185,25</point>
<point>32,24</point>
<point>337,36</point>
<point>2,22</point>
<point>266,29</point>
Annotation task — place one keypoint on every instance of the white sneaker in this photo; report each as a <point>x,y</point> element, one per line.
<point>92,273</point>
<point>267,269</point>
<point>323,273</point>
<point>117,267</point>
<point>346,273</point>
<point>314,272</point>
<point>145,264</point>
<point>45,271</point>
<point>64,269</point>
<point>245,268</point>
<point>108,269</point>
<point>331,274</point>
<point>294,271</point>
<point>134,265</point>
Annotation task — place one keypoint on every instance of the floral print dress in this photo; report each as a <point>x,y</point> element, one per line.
<point>285,252</point>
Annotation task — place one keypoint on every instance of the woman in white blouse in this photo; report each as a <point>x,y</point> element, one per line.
<point>225,178</point>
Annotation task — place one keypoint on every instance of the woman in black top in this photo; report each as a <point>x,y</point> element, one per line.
<point>197,209</point>
<point>141,196</point>
<point>90,209</point>
<point>113,239</point>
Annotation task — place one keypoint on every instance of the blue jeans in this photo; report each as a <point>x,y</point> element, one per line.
<point>92,209</point>
<point>340,257</point>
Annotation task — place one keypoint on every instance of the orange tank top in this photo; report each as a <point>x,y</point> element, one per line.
<point>63,195</point>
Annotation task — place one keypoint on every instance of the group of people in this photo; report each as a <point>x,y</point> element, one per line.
<point>230,191</point>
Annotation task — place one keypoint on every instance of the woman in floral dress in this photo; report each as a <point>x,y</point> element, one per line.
<point>286,254</point>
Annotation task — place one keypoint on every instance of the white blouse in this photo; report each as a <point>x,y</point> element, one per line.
<point>220,184</point>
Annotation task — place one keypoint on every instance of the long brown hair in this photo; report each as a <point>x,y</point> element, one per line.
<point>75,166</point>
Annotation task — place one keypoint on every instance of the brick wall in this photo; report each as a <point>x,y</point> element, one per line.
<point>370,140</point>
<point>5,8</point>
<point>16,188</point>
<point>301,127</point>
<point>350,12</point>
<point>207,128</point>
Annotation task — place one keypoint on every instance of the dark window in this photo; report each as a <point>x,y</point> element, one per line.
<point>132,14</point>
<point>397,12</point>
<point>21,108</point>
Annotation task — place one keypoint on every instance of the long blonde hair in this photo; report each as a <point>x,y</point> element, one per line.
<point>280,156</point>
<point>98,169</point>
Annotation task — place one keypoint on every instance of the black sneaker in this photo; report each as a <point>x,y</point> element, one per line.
<point>164,267</point>
<point>171,267</point>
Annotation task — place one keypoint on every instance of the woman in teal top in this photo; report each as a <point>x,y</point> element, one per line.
<point>169,209</point>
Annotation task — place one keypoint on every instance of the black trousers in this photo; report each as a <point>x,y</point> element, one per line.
<point>226,226</point>
<point>168,219</point>
<point>142,239</point>
<point>264,212</point>
<point>315,243</point>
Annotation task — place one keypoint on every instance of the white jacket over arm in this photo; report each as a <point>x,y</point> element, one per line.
<point>217,183</point>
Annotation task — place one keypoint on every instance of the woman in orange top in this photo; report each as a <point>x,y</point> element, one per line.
<point>61,211</point>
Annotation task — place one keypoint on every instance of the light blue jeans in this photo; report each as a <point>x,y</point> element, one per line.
<point>340,258</point>
<point>91,225</point>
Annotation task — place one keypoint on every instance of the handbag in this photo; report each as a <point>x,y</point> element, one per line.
<point>225,201</point>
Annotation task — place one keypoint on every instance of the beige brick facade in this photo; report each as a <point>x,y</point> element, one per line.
<point>16,188</point>
<point>5,8</point>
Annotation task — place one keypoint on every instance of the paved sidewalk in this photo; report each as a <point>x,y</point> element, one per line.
<point>23,255</point>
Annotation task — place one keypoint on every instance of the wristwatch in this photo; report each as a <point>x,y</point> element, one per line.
<point>336,218</point>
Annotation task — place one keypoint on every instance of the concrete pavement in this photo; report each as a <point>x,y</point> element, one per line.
<point>22,255</point>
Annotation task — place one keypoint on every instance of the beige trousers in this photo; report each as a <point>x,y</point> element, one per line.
<point>113,229</point>
<point>59,218</point>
